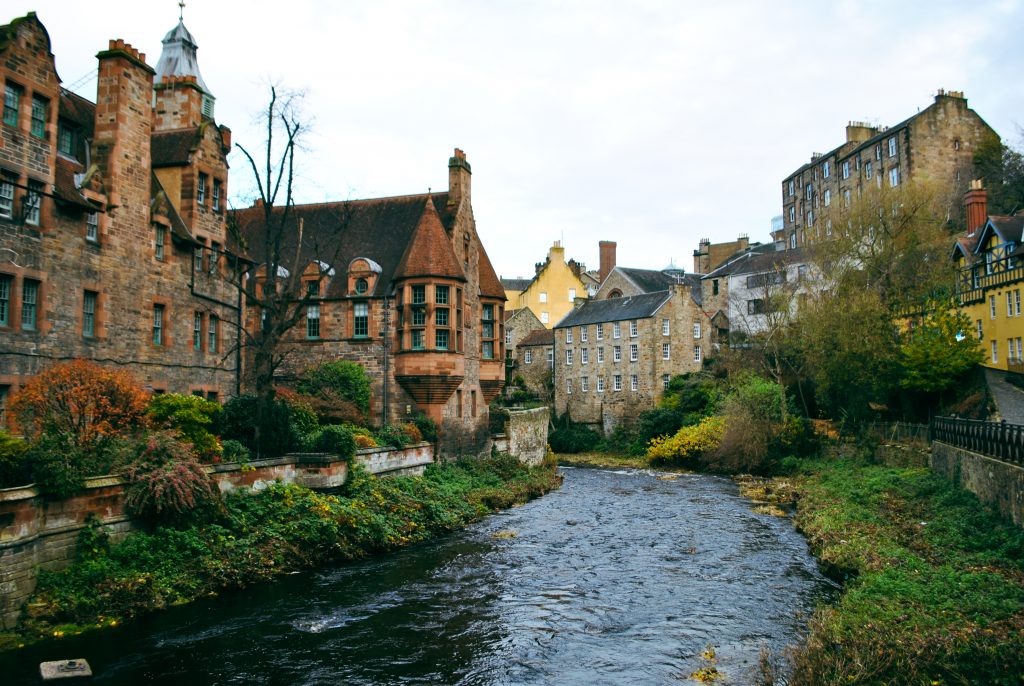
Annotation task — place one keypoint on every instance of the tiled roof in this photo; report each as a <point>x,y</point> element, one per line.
<point>537,337</point>
<point>338,232</point>
<point>64,188</point>
<point>615,309</point>
<point>162,204</point>
<point>429,252</point>
<point>490,286</point>
<point>173,148</point>
<point>515,284</point>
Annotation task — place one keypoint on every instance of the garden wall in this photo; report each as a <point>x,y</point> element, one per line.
<point>39,534</point>
<point>527,434</point>
<point>993,481</point>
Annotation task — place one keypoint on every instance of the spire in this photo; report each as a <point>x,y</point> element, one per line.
<point>179,55</point>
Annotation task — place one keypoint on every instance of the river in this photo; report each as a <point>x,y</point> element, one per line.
<point>618,578</point>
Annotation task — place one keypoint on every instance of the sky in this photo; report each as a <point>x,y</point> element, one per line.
<point>653,124</point>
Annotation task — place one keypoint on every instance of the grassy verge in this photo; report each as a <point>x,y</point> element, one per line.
<point>259,536</point>
<point>933,581</point>
<point>603,459</point>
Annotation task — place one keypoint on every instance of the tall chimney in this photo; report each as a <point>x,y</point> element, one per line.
<point>976,204</point>
<point>459,175</point>
<point>606,249</point>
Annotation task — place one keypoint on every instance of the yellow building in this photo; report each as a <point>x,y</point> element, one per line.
<point>990,258</point>
<point>553,289</point>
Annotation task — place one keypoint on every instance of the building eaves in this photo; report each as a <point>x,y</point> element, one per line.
<point>516,284</point>
<point>537,337</point>
<point>615,309</point>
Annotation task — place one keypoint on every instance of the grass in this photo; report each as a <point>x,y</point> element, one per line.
<point>262,535</point>
<point>933,580</point>
<point>603,459</point>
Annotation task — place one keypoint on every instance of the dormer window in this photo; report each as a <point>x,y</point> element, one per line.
<point>67,135</point>
<point>362,285</point>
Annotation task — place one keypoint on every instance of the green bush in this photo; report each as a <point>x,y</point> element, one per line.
<point>427,427</point>
<point>167,485</point>
<point>235,451</point>
<point>59,465</point>
<point>191,417</point>
<point>238,422</point>
<point>392,435</point>
<point>337,440</point>
<point>573,439</point>
<point>15,469</point>
<point>340,380</point>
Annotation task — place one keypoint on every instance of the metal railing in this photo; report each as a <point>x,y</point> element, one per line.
<point>995,439</point>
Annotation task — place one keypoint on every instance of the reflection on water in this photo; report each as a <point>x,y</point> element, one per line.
<point>619,578</point>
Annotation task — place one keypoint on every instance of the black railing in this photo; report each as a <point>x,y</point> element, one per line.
<point>995,439</point>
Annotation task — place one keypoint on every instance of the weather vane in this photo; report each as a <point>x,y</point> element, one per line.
<point>181,11</point>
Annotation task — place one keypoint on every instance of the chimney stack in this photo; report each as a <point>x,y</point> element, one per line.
<point>459,176</point>
<point>606,249</point>
<point>976,204</point>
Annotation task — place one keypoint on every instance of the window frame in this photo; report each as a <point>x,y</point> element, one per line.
<point>12,112</point>
<point>361,320</point>
<point>39,116</point>
<point>90,302</point>
<point>30,304</point>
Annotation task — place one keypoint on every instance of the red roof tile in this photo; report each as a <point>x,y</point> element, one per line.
<point>429,252</point>
<point>490,284</point>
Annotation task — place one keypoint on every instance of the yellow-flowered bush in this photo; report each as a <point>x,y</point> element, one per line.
<point>687,444</point>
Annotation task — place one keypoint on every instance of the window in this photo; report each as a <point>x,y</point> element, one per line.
<point>12,104</point>
<point>584,384</point>
<point>981,331</point>
<point>441,317</point>
<point>617,382</point>
<point>40,106</point>
<point>1009,350</point>
<point>29,304</point>
<point>568,356</point>
<point>33,199</point>
<point>892,147</point>
<point>665,380</point>
<point>828,197</point>
<point>1019,349</point>
<point>894,177</point>
<point>5,300</point>
<point>458,403</point>
<point>197,330</point>
<point>584,356</point>
<point>211,258</point>
<point>846,197</point>
<point>792,214</point>
<point>868,170</point>
<point>441,339</point>
<point>212,334</point>
<point>634,352</point>
<point>666,351</point>
<point>696,353</point>
<point>487,351</point>
<point>543,296</point>
<point>313,289</point>
<point>665,327</point>
<point>568,335</point>
<point>583,334</point>
<point>312,321</point>
<point>808,191</point>
<point>417,339</point>
<point>1016,302</point>
<point>696,329</point>
<point>66,138</point>
<point>810,218</point>
<point>616,330</point>
<point>792,240</point>
<point>714,286</point>
<point>543,317</point>
<point>790,187</point>
<point>600,384</point>
<point>89,314</point>
<point>572,295</point>
<point>632,329</point>
<point>600,332</point>
<point>161,239</point>
<point>441,295</point>
<point>92,226</point>
<point>1009,304</point>
<point>361,320</point>
<point>755,306</point>
<point>419,316</point>
<point>508,337</point>
<point>551,358</point>
<point>995,353</point>
<point>528,357</point>
<point>617,353</point>
<point>419,294</point>
<point>568,386</point>
<point>201,190</point>
<point>216,195</point>
<point>634,382</point>
<point>197,258</point>
<point>825,169</point>
<point>158,324</point>
<point>846,170</point>
<point>878,151</point>
<point>6,197</point>
<point>992,306</point>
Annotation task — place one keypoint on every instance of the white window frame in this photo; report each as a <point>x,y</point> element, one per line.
<point>568,335</point>
<point>600,384</point>
<point>696,329</point>
<point>568,357</point>
<point>617,353</point>
<point>543,296</point>
<point>828,197</point>
<point>600,354</point>
<point>1009,304</point>
<point>600,332</point>
<point>894,177</point>
<point>666,351</point>
<point>33,202</point>
<point>634,352</point>
<point>572,295</point>
<point>583,334</point>
<point>995,352</point>
<point>633,329</point>
<point>617,382</point>
<point>846,169</point>
<point>992,306</point>
<point>584,384</point>
<point>528,357</point>
<point>665,380</point>
<point>584,355</point>
<point>634,383</point>
<point>696,353</point>
<point>616,330</point>
<point>665,327</point>
<point>981,330</point>
<point>892,146</point>
<point>92,226</point>
<point>543,317</point>
<point>568,386</point>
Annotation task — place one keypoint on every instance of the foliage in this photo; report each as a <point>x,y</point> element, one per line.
<point>573,438</point>
<point>694,396</point>
<point>393,435</point>
<point>364,441</point>
<point>412,432</point>
<point>302,413</point>
<point>235,451</point>
<point>427,427</point>
<point>85,403</point>
<point>938,350</point>
<point>933,593</point>
<point>239,422</point>
<point>338,381</point>
<point>15,469</point>
<point>686,445</point>
<point>337,440</point>
<point>167,485</point>
<point>276,531</point>
<point>191,417</point>
<point>1001,169</point>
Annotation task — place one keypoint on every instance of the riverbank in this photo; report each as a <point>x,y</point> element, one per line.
<point>259,536</point>
<point>604,460</point>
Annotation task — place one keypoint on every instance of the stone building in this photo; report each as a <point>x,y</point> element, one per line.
<point>552,291</point>
<point>409,293</point>
<point>614,355</point>
<point>112,220</point>
<point>518,324</point>
<point>937,143</point>
<point>534,361</point>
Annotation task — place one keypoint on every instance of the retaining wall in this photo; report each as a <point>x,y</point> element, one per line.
<point>39,534</point>
<point>993,481</point>
<point>527,434</point>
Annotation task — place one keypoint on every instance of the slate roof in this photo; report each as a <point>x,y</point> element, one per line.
<point>648,280</point>
<point>615,309</point>
<point>537,337</point>
<point>173,148</point>
<point>515,284</point>
<point>759,261</point>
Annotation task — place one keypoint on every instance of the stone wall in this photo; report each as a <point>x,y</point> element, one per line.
<point>39,534</point>
<point>993,481</point>
<point>528,434</point>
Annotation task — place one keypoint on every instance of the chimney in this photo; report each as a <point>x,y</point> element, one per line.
<point>459,174</point>
<point>976,204</point>
<point>859,131</point>
<point>743,242</point>
<point>225,137</point>
<point>606,250</point>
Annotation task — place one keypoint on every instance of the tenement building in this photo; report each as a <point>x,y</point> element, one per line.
<point>937,143</point>
<point>112,220</point>
<point>404,287</point>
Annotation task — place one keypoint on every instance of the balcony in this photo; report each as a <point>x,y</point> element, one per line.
<point>971,287</point>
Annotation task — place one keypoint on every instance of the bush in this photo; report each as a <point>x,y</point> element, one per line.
<point>364,441</point>
<point>337,440</point>
<point>238,422</point>
<point>15,469</point>
<point>392,435</point>
<point>412,432</point>
<point>167,484</point>
<point>573,439</point>
<point>302,414</point>
<point>427,427</point>
<point>84,403</point>
<point>235,451</point>
<point>342,381</point>
<point>693,396</point>
<point>191,417</point>
<point>688,444</point>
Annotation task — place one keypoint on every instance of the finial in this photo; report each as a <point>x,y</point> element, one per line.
<point>181,10</point>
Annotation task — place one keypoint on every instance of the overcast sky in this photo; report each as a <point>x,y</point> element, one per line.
<point>649,123</point>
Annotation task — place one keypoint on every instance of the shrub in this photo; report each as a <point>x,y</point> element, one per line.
<point>167,484</point>
<point>661,421</point>
<point>235,451</point>
<point>191,417</point>
<point>15,469</point>
<point>338,381</point>
<point>81,401</point>
<point>337,440</point>
<point>573,438</point>
<point>364,441</point>
<point>689,443</point>
<point>497,418</point>
<point>412,432</point>
<point>302,414</point>
<point>392,435</point>
<point>427,427</point>
<point>238,422</point>
<point>693,396</point>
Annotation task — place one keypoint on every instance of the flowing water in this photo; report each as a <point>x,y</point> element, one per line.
<point>618,578</point>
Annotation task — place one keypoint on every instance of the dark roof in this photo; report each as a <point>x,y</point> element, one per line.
<point>648,280</point>
<point>1009,229</point>
<point>515,284</point>
<point>429,252</point>
<point>615,309</point>
<point>537,337</point>
<point>173,148</point>
<point>757,261</point>
<point>65,189</point>
<point>338,232</point>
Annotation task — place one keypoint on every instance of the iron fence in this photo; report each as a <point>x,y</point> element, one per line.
<point>995,439</point>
